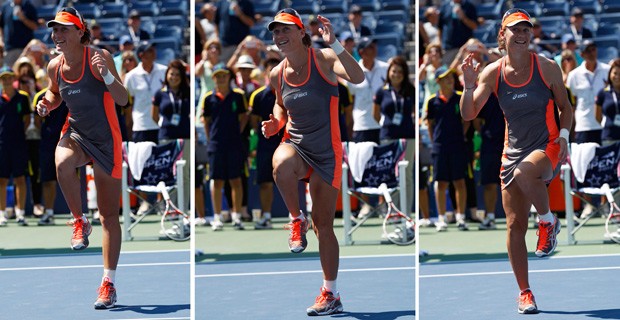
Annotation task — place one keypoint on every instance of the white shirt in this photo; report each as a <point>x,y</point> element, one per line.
<point>363,94</point>
<point>142,86</point>
<point>585,85</point>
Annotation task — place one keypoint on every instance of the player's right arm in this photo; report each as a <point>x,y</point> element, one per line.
<point>279,116</point>
<point>51,100</point>
<point>475,95</point>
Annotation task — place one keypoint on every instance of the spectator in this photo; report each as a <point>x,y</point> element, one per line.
<point>355,26</point>
<point>244,66</point>
<point>129,62</point>
<point>348,42</point>
<point>431,61</point>
<point>98,38</point>
<point>315,34</point>
<point>210,57</point>
<point>446,130</point>
<point>252,47</point>
<point>431,14</point>
<point>233,20</point>
<point>261,106</point>
<point>135,32</point>
<point>393,109</point>
<point>579,32</point>
<point>345,111</point>
<point>538,36</point>
<point>224,112</point>
<point>207,13</point>
<point>124,44</point>
<point>14,118</point>
<point>171,110</point>
<point>568,63</point>
<point>568,43</point>
<point>456,25</point>
<point>18,20</point>
<point>39,54</point>
<point>607,100</point>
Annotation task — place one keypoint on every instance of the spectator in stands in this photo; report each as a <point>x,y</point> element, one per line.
<point>252,47</point>
<point>355,26</point>
<point>348,42</point>
<point>18,20</point>
<point>224,112</point>
<point>244,68</point>
<point>171,111</point>
<point>207,13</point>
<point>431,14</point>
<point>568,43</point>
<point>394,110</point>
<point>124,44</point>
<point>474,47</point>
<point>585,82</point>
<point>261,106</point>
<point>129,62</point>
<point>607,100</point>
<point>137,34</point>
<point>568,63</point>
<point>538,36</point>
<point>577,29</point>
<point>99,39</point>
<point>446,130</point>
<point>14,118</point>
<point>233,20</point>
<point>210,56</point>
<point>38,53</point>
<point>457,22</point>
<point>431,61</point>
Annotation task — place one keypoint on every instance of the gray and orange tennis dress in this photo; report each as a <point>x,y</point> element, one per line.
<point>92,121</point>
<point>529,111</point>
<point>313,128</point>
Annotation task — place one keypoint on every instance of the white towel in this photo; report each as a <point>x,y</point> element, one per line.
<point>137,154</point>
<point>580,156</point>
<point>359,154</point>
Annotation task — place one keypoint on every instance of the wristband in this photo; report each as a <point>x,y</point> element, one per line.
<point>564,134</point>
<point>337,47</point>
<point>108,79</point>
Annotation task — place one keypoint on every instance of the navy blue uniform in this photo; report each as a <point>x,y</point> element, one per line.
<point>13,150</point>
<point>609,100</point>
<point>492,134</point>
<point>391,104</point>
<point>261,104</point>
<point>171,107</point>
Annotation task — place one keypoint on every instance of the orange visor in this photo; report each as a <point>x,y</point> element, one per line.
<point>516,17</point>
<point>66,19</point>
<point>286,18</point>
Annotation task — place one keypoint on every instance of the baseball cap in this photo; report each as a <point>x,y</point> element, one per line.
<point>245,61</point>
<point>365,42</point>
<point>286,16</point>
<point>355,9</point>
<point>587,44</point>
<point>219,68</point>
<point>144,46</point>
<point>345,35</point>
<point>124,39</point>
<point>576,12</point>
<point>514,16</point>
<point>67,16</point>
<point>442,72</point>
<point>6,71</point>
<point>568,37</point>
<point>134,14</point>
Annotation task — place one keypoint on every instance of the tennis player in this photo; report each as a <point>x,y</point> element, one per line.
<point>528,87</point>
<point>85,78</point>
<point>306,88</point>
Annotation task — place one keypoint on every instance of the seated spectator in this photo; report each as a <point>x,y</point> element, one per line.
<point>569,43</point>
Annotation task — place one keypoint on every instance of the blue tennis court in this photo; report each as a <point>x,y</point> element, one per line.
<point>565,287</point>
<point>371,287</point>
<point>150,285</point>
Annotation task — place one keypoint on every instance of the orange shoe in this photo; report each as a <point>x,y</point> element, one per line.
<point>527,303</point>
<point>325,304</point>
<point>107,295</point>
<point>81,231</point>
<point>297,238</point>
<point>547,237</point>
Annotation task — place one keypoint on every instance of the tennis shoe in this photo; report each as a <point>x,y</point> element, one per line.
<point>527,303</point>
<point>297,237</point>
<point>81,231</point>
<point>263,223</point>
<point>107,295</point>
<point>325,304</point>
<point>425,223</point>
<point>547,237</point>
<point>22,222</point>
<point>441,226</point>
<point>217,225</point>
<point>487,224</point>
<point>238,225</point>
<point>3,221</point>
<point>462,225</point>
<point>46,220</point>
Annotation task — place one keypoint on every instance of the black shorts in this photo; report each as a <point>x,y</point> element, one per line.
<point>264,166</point>
<point>13,161</point>
<point>47,162</point>
<point>490,166</point>
<point>225,165</point>
<point>595,136</point>
<point>449,166</point>
<point>366,135</point>
<point>146,135</point>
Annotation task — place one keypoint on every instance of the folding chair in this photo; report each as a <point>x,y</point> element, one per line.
<point>590,166</point>
<point>365,167</point>
<point>144,166</point>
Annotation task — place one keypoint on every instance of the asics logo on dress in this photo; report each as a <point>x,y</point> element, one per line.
<point>519,96</point>
<point>299,95</point>
<point>70,92</point>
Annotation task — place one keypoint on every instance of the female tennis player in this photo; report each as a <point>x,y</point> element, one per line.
<point>306,90</point>
<point>85,78</point>
<point>527,86</point>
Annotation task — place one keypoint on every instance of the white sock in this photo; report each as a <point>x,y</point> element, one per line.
<point>547,217</point>
<point>491,216</point>
<point>217,217</point>
<point>442,218</point>
<point>267,215</point>
<point>301,216</point>
<point>2,214</point>
<point>460,217</point>
<point>331,286</point>
<point>110,274</point>
<point>236,217</point>
<point>20,213</point>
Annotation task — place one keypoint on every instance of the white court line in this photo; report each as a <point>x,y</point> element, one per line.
<point>221,275</point>
<point>70,254</point>
<point>203,263</point>
<point>178,318</point>
<point>448,275</point>
<point>159,264</point>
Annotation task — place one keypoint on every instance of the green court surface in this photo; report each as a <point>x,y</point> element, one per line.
<point>33,239</point>
<point>455,245</point>
<point>230,244</point>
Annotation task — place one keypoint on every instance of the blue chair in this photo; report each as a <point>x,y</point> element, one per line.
<point>306,7</point>
<point>175,20</point>
<point>367,5</point>
<point>611,6</point>
<point>145,8</point>
<point>587,6</point>
<point>176,7</point>
<point>334,6</point>
<point>553,8</point>
<point>395,5</point>
<point>87,10</point>
<point>114,10</point>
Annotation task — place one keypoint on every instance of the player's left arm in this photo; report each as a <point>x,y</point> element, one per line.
<point>553,77</point>
<point>103,66</point>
